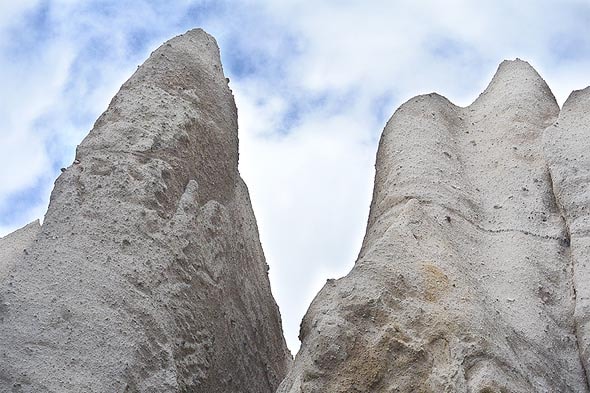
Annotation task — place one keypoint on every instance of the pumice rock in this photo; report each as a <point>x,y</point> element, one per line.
<point>14,246</point>
<point>567,148</point>
<point>473,274</point>
<point>147,274</point>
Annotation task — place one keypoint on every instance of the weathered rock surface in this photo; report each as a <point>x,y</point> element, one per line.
<point>567,148</point>
<point>147,274</point>
<point>14,246</point>
<point>466,280</point>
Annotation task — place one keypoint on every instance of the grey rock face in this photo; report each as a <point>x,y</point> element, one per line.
<point>14,246</point>
<point>147,274</point>
<point>467,280</point>
<point>567,148</point>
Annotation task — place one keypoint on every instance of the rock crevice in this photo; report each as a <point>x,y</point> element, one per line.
<point>566,147</point>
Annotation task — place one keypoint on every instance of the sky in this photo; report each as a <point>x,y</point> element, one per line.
<point>314,83</point>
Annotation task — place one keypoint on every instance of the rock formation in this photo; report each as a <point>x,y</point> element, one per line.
<point>473,275</point>
<point>567,148</point>
<point>147,274</point>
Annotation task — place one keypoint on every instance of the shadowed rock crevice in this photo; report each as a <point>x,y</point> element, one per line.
<point>566,148</point>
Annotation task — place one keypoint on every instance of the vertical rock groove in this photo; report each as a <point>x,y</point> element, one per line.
<point>567,243</point>
<point>566,148</point>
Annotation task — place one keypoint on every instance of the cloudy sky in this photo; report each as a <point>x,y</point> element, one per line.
<point>314,82</point>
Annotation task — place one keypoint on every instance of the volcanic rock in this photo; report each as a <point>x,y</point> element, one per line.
<point>473,275</point>
<point>147,274</point>
<point>567,148</point>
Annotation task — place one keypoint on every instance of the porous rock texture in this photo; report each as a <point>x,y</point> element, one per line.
<point>473,275</point>
<point>147,274</point>
<point>13,246</point>
<point>567,148</point>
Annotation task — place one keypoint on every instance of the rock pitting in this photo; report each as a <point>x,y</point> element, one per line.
<point>473,273</point>
<point>147,274</point>
<point>567,148</point>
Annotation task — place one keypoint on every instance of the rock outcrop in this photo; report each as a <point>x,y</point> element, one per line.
<point>473,275</point>
<point>567,148</point>
<point>14,245</point>
<point>147,274</point>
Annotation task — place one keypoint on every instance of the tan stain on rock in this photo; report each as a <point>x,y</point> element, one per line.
<point>436,282</point>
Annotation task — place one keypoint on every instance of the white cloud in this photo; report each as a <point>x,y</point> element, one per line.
<point>11,10</point>
<point>314,83</point>
<point>393,45</point>
<point>310,189</point>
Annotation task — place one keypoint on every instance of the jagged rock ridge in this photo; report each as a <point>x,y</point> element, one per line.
<point>147,274</point>
<point>473,274</point>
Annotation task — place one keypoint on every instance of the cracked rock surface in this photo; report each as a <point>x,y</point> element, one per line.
<point>473,275</point>
<point>147,274</point>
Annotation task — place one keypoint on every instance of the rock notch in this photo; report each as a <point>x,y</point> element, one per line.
<point>473,274</point>
<point>147,274</point>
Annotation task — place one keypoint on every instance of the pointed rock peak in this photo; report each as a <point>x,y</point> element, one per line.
<point>195,41</point>
<point>178,108</point>
<point>193,34</point>
<point>16,245</point>
<point>517,65</point>
<point>517,69</point>
<point>32,226</point>
<point>192,54</point>
<point>517,81</point>
<point>577,100</point>
<point>149,252</point>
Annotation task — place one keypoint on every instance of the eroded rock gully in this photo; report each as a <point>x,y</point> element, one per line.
<point>473,274</point>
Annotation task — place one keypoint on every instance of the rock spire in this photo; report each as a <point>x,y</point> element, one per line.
<point>472,275</point>
<point>147,274</point>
